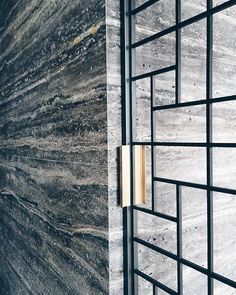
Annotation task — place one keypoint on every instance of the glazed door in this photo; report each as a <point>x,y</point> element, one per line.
<point>179,77</point>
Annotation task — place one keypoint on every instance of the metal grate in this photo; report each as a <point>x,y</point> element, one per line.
<point>130,215</point>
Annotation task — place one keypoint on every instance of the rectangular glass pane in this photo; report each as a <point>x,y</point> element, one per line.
<point>218,2</point>
<point>224,57</point>
<point>157,231</point>
<point>144,287</point>
<point>181,124</point>
<point>224,167</point>
<point>142,107</point>
<point>161,292</point>
<point>222,289</point>
<point>224,218</point>
<point>154,19</point>
<point>224,121</point>
<point>164,89</point>
<point>181,163</point>
<point>140,2</point>
<point>194,225</point>
<point>165,198</point>
<point>155,55</point>
<point>193,61</point>
<point>194,282</point>
<point>190,8</point>
<point>157,266</point>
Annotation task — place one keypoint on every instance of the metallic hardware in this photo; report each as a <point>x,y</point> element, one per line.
<point>125,175</point>
<point>139,175</point>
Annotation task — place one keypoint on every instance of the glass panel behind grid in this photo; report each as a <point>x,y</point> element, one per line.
<point>183,79</point>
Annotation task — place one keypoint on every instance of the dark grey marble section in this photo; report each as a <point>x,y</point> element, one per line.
<point>53,148</point>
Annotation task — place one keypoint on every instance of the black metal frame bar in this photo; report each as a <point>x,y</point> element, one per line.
<point>188,144</point>
<point>209,163</point>
<point>194,103</point>
<point>128,93</point>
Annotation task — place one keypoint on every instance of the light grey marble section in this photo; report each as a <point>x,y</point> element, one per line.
<point>224,56</point>
<point>114,142</point>
<point>188,125</point>
<point>147,23</point>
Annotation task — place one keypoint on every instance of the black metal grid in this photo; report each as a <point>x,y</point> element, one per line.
<point>128,61</point>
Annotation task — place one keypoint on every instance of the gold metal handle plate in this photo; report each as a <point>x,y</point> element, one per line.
<point>139,155</point>
<point>125,175</point>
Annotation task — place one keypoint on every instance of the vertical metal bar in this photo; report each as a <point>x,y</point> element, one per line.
<point>125,123</point>
<point>178,188</point>
<point>179,239</point>
<point>153,130</point>
<point>133,215</point>
<point>155,292</point>
<point>178,52</point>
<point>209,149</point>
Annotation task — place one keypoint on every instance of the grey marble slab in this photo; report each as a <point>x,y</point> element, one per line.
<point>53,148</point>
<point>114,142</point>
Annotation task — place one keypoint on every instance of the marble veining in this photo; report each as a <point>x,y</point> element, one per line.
<point>53,148</point>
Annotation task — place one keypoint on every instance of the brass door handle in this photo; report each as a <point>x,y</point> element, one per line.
<point>139,174</point>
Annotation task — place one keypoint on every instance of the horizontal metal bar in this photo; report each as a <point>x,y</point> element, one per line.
<point>186,262</point>
<point>154,73</point>
<point>155,248</point>
<point>143,6</point>
<point>183,144</point>
<point>223,145</point>
<point>171,255</point>
<point>194,266</point>
<point>224,280</point>
<point>141,143</point>
<point>196,185</point>
<point>195,103</point>
<point>223,190</point>
<point>179,105</point>
<point>183,183</point>
<point>155,282</point>
<point>188,144</point>
<point>154,37</point>
<point>158,214</point>
<point>185,23</point>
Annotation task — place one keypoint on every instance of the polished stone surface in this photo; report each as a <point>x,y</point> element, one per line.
<point>114,142</point>
<point>53,148</point>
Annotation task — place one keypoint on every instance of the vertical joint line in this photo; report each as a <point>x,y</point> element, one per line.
<point>209,149</point>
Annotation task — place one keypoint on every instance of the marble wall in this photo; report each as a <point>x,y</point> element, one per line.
<point>53,148</point>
